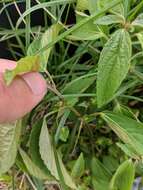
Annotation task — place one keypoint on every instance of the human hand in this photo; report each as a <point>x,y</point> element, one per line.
<point>24,93</point>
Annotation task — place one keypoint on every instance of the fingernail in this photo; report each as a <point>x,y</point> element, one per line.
<point>36,83</point>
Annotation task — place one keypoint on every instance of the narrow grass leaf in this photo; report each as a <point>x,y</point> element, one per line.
<point>41,6</point>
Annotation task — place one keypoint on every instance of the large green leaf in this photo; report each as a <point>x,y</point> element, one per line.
<point>46,151</point>
<point>34,148</point>
<point>113,65</point>
<point>124,177</point>
<point>47,37</point>
<point>48,156</point>
<point>129,130</point>
<point>9,138</point>
<point>24,65</point>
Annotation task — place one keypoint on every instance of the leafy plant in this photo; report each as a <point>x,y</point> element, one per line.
<point>87,133</point>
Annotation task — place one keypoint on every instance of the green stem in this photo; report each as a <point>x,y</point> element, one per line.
<point>28,24</point>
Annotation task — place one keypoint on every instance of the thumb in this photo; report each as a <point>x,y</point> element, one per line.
<point>24,93</point>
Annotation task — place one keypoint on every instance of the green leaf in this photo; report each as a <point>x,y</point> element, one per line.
<point>24,65</point>
<point>127,6</point>
<point>138,21</point>
<point>100,184</point>
<point>32,167</point>
<point>64,133</point>
<point>62,121</point>
<point>99,171</point>
<point>34,148</point>
<point>34,46</point>
<point>109,19</point>
<point>79,167</point>
<point>9,139</point>
<point>96,5</point>
<point>113,66</point>
<point>140,38</point>
<point>79,84</point>
<point>124,177</point>
<point>128,151</point>
<point>89,31</point>
<point>93,6</point>
<point>100,175</point>
<point>128,130</point>
<point>82,5</point>
<point>110,163</point>
<point>126,111</point>
<point>82,187</point>
<point>49,36</point>
<point>139,168</point>
<point>67,178</point>
<point>42,41</point>
<point>48,156</point>
<point>46,151</point>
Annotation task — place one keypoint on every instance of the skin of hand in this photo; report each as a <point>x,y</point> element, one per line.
<point>22,95</point>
